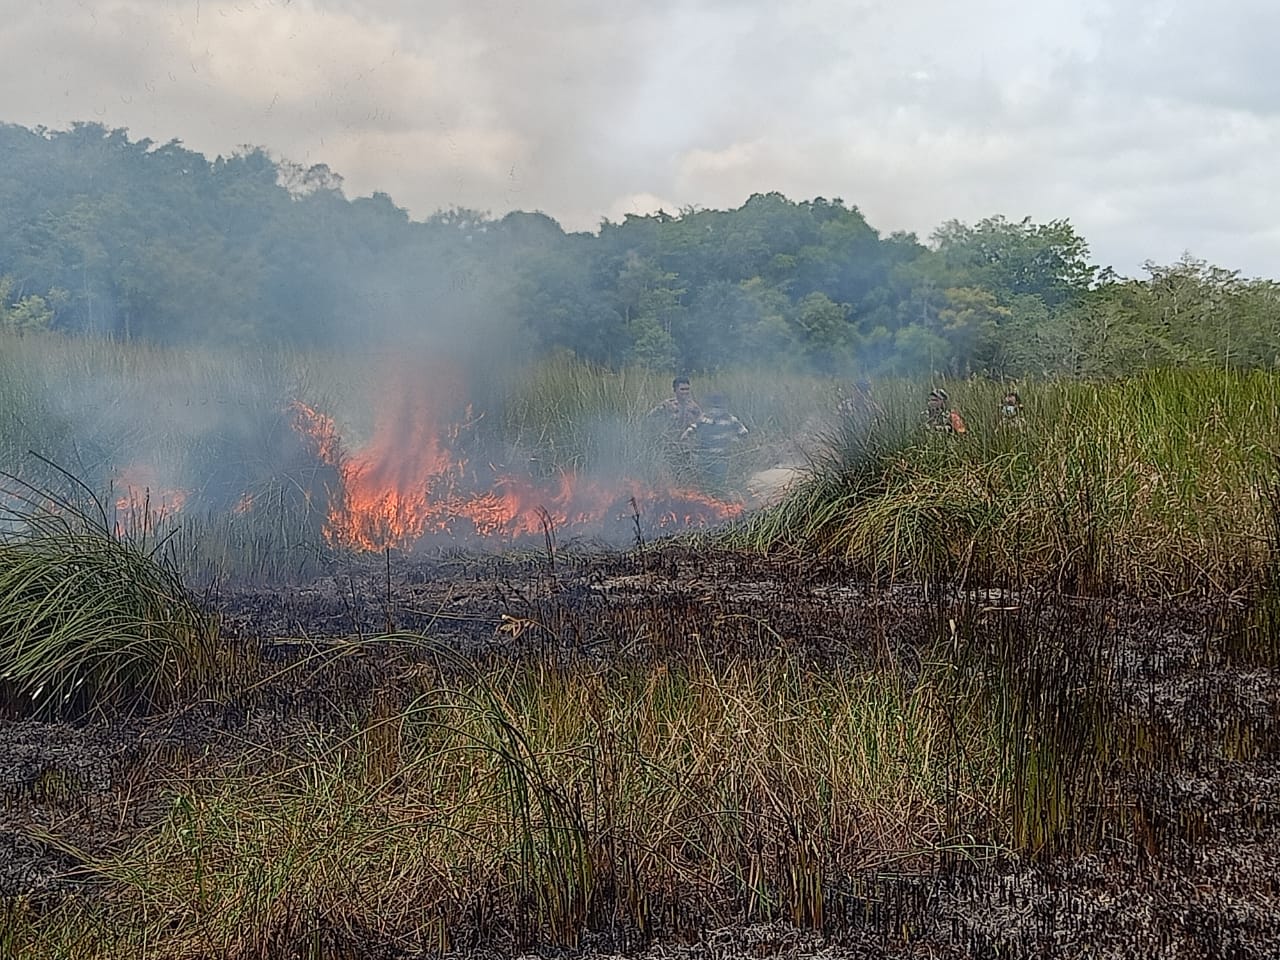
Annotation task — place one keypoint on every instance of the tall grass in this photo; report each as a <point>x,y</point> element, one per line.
<point>1144,484</point>
<point>1148,484</point>
<point>570,415</point>
<point>91,618</point>
<point>203,438</point>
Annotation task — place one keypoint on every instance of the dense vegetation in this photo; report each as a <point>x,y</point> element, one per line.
<point>139,240</point>
<point>1157,483</point>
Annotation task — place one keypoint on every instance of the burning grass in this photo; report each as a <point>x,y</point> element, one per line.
<point>267,469</point>
<point>271,471</point>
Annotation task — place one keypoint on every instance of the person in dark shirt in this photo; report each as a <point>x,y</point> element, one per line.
<point>939,416</point>
<point>666,424</point>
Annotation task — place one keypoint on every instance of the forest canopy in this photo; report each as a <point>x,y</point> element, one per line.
<point>110,236</point>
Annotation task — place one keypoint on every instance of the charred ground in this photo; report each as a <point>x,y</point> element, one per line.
<point>1173,849</point>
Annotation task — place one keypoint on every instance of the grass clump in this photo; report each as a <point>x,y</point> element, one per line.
<point>90,618</point>
<point>1147,485</point>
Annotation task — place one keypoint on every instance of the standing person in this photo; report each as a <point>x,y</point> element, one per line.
<point>1011,409</point>
<point>859,404</point>
<point>715,433</point>
<point>939,416</point>
<point>680,410</point>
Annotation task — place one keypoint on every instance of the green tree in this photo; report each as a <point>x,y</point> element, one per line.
<point>1047,260</point>
<point>825,337</point>
<point>728,323</point>
<point>916,350</point>
<point>1212,314</point>
<point>648,299</point>
<point>29,313</point>
<point>970,322</point>
<point>652,346</point>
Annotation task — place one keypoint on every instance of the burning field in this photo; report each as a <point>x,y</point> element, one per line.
<point>412,682</point>
<point>422,480</point>
<point>401,490</point>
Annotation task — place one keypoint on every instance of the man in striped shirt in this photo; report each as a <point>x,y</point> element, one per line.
<point>714,434</point>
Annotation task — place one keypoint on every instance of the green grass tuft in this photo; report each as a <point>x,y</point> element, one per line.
<point>91,618</point>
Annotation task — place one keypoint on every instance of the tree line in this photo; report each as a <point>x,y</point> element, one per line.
<point>131,239</point>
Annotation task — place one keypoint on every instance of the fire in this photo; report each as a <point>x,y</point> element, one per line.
<point>141,495</point>
<point>319,429</point>
<point>142,501</point>
<point>410,482</point>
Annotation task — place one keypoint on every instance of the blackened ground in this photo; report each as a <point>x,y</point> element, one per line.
<point>1190,866</point>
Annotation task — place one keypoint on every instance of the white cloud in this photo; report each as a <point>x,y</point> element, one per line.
<point>1148,123</point>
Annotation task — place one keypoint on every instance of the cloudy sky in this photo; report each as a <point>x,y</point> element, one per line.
<point>1153,125</point>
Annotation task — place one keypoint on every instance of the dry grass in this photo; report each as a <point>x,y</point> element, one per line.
<point>1149,485</point>
<point>534,802</point>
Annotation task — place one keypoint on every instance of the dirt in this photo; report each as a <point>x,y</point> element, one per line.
<point>1190,866</point>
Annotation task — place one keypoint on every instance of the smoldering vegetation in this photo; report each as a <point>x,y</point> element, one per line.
<point>1009,693</point>
<point>479,757</point>
<point>271,466</point>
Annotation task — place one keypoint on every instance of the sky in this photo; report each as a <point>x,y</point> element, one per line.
<point>1152,125</point>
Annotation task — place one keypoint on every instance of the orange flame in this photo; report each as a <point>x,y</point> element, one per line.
<point>407,484</point>
<point>142,501</point>
<point>139,492</point>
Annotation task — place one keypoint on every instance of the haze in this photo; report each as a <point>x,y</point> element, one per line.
<point>1150,125</point>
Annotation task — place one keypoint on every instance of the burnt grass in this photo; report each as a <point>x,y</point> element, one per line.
<point>1178,856</point>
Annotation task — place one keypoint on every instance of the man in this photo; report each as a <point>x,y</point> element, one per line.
<point>715,433</point>
<point>859,404</point>
<point>939,416</point>
<point>680,410</point>
<point>1011,408</point>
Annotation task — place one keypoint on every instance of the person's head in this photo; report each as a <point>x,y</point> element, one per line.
<point>937,399</point>
<point>681,387</point>
<point>1011,399</point>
